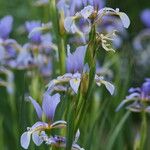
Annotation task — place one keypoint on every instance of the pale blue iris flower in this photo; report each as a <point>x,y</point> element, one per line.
<point>138,98</point>
<point>48,108</point>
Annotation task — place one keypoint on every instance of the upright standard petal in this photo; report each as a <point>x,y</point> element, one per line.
<point>75,61</point>
<point>49,104</point>
<point>25,139</point>
<point>5,26</point>
<point>37,107</point>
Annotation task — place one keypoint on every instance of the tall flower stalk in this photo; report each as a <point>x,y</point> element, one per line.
<point>58,34</point>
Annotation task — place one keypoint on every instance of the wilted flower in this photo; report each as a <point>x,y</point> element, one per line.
<point>49,105</point>
<point>106,40</point>
<point>140,97</point>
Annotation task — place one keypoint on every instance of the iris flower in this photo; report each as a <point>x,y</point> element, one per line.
<point>48,108</point>
<point>139,98</point>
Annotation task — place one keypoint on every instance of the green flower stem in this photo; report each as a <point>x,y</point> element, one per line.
<point>70,123</point>
<point>58,33</point>
<point>91,61</point>
<point>143,131</point>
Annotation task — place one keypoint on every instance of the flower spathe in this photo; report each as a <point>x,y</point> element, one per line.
<point>48,109</point>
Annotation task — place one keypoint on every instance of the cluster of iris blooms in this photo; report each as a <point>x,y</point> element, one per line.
<point>78,24</point>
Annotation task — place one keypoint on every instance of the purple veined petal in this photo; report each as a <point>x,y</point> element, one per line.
<point>50,141</point>
<point>38,125</point>
<point>37,107</point>
<point>67,75</point>
<point>110,87</point>
<point>25,139</point>
<point>75,83</point>
<point>87,11</point>
<point>70,26</point>
<point>69,21</point>
<point>57,141</point>
<point>37,138</point>
<point>49,105</point>
<point>5,26</point>
<point>76,75</point>
<point>125,19</point>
